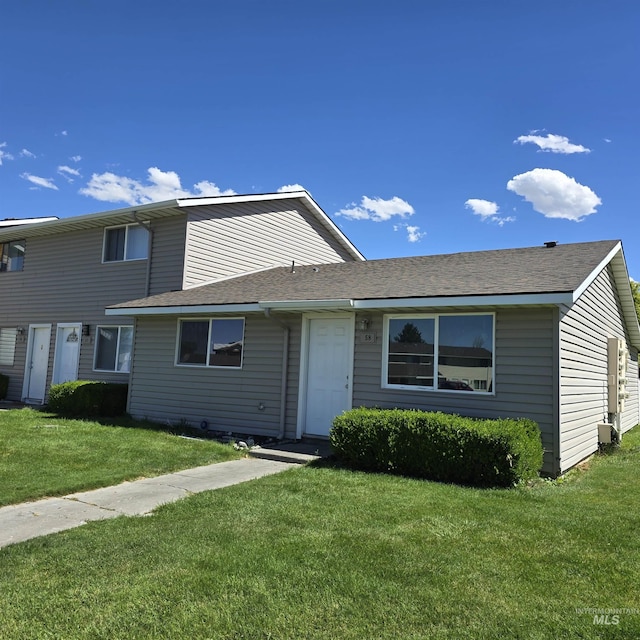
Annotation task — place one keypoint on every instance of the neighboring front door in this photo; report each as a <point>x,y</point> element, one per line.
<point>329,373</point>
<point>67,354</point>
<point>37,364</point>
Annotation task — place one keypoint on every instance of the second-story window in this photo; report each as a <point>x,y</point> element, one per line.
<point>12,255</point>
<point>128,242</point>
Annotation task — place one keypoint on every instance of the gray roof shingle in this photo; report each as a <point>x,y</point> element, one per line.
<point>534,270</point>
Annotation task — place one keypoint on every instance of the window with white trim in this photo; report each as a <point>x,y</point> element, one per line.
<point>113,349</point>
<point>8,346</point>
<point>12,255</point>
<point>443,352</point>
<point>213,342</point>
<point>128,242</point>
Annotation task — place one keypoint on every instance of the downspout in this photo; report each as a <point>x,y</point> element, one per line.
<point>285,372</point>
<point>147,226</point>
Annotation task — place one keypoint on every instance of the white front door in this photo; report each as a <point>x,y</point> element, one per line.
<point>329,373</point>
<point>37,365</point>
<point>67,354</point>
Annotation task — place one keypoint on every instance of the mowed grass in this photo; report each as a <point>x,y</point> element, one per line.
<point>44,455</point>
<point>326,553</point>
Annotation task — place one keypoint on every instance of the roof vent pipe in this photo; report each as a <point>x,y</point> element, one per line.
<point>550,244</point>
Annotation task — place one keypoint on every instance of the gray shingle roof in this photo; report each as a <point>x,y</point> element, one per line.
<point>534,270</point>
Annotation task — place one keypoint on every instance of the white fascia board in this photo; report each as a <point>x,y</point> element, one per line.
<point>468,301</point>
<point>20,221</point>
<point>183,310</point>
<point>594,274</point>
<point>254,197</point>
<point>304,305</point>
<point>313,205</point>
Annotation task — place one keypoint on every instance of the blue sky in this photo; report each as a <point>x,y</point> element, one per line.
<point>420,127</point>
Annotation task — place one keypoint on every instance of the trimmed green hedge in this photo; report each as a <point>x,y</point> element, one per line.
<point>4,386</point>
<point>439,446</point>
<point>87,398</point>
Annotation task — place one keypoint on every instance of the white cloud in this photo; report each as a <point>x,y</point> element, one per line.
<point>67,172</point>
<point>413,232</point>
<point>3,154</point>
<point>291,187</point>
<point>488,211</point>
<point>553,143</point>
<point>75,158</point>
<point>47,183</point>
<point>25,153</point>
<point>607,139</point>
<point>63,133</point>
<point>377,209</point>
<point>555,194</point>
<point>161,185</point>
<point>483,208</point>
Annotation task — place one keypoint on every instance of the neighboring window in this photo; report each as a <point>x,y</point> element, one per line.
<point>12,255</point>
<point>458,347</point>
<point>211,343</point>
<point>130,242</point>
<point>7,346</point>
<point>113,349</point>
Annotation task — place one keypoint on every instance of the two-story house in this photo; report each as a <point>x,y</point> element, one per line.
<point>57,276</point>
<point>255,314</point>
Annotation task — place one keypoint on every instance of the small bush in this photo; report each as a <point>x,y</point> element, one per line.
<point>4,386</point>
<point>439,446</point>
<point>87,398</point>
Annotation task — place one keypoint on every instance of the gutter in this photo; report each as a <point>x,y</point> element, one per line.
<point>285,371</point>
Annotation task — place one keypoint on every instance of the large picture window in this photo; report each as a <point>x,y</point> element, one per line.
<point>211,343</point>
<point>12,255</point>
<point>443,352</point>
<point>129,242</point>
<point>113,349</point>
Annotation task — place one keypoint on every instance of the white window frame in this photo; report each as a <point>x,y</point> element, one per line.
<point>126,243</point>
<point>206,364</point>
<point>8,345</point>
<point>97,342</point>
<point>436,348</point>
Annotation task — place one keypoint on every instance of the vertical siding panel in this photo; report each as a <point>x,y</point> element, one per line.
<point>584,330</point>
<point>230,239</point>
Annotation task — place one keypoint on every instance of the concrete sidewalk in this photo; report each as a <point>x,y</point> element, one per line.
<point>32,519</point>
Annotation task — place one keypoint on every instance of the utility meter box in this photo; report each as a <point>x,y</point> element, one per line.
<point>616,375</point>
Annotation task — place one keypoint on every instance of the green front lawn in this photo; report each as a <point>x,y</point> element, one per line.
<point>326,553</point>
<point>43,455</point>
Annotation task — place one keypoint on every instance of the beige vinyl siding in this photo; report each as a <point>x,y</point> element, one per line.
<point>584,330</point>
<point>227,399</point>
<point>64,280</point>
<point>230,239</point>
<point>523,369</point>
<point>167,263</point>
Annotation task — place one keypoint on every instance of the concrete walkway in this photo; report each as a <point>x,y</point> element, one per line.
<point>32,519</point>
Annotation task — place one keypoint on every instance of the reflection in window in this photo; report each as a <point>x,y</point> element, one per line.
<point>214,343</point>
<point>458,347</point>
<point>12,255</point>
<point>411,351</point>
<point>113,349</point>
<point>129,242</point>
<point>465,353</point>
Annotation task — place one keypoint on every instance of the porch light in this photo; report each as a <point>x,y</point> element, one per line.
<point>86,329</point>
<point>363,324</point>
<point>20,331</point>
